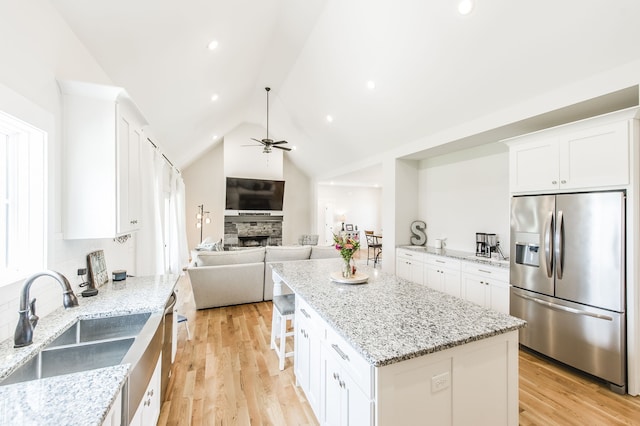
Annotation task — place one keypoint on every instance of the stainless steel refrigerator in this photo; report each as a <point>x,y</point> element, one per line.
<point>568,276</point>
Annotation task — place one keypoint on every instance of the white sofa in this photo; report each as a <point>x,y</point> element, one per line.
<point>223,278</point>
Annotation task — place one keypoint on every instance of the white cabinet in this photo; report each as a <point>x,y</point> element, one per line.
<point>588,158</point>
<point>410,266</point>
<point>114,416</point>
<point>309,332</point>
<point>148,411</point>
<point>487,286</point>
<point>129,143</point>
<point>443,274</point>
<point>102,137</point>
<point>347,395</point>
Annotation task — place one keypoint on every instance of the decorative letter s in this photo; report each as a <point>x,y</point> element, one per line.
<point>419,237</point>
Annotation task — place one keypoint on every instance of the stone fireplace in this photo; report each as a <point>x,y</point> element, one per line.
<point>252,230</point>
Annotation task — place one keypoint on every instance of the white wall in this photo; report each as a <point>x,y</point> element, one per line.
<point>466,192</point>
<point>39,48</point>
<point>360,206</point>
<point>204,183</point>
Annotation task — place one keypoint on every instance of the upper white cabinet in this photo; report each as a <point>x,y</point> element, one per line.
<point>102,138</point>
<point>577,156</point>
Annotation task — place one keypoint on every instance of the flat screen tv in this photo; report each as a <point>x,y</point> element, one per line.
<point>254,194</point>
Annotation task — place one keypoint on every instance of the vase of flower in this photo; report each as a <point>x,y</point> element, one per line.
<point>347,269</point>
<point>347,246</point>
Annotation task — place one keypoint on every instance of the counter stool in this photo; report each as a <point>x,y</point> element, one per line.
<point>283,311</point>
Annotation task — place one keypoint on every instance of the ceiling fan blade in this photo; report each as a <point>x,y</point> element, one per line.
<point>281,147</point>
<point>279,142</point>
<point>259,141</point>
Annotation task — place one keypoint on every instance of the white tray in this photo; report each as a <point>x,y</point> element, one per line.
<point>358,278</point>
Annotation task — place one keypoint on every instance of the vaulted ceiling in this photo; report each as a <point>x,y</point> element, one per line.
<point>433,68</point>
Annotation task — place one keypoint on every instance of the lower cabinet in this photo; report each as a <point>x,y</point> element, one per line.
<point>343,400</point>
<point>307,353</point>
<point>486,286</point>
<point>410,266</point>
<point>148,411</point>
<point>443,274</point>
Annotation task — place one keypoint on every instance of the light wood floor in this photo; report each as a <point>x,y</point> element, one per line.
<point>228,375</point>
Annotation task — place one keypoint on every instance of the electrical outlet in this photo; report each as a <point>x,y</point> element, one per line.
<point>440,382</point>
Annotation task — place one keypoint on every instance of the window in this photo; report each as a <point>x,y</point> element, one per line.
<point>23,216</point>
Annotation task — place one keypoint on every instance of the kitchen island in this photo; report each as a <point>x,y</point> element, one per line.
<point>395,352</point>
<point>83,398</point>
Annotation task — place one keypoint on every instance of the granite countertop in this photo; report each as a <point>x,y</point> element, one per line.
<point>460,255</point>
<point>81,398</point>
<point>388,319</point>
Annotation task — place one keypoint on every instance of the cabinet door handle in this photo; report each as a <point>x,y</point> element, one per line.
<point>336,376</point>
<point>482,270</point>
<point>341,383</point>
<point>563,181</point>
<point>305,313</point>
<point>440,261</point>
<point>554,182</point>
<point>342,354</point>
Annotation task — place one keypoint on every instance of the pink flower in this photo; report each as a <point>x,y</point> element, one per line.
<point>348,246</point>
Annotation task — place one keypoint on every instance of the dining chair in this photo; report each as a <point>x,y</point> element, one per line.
<point>374,247</point>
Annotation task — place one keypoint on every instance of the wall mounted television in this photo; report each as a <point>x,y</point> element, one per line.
<point>254,194</point>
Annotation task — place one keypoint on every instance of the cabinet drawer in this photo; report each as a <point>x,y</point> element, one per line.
<point>442,261</point>
<point>486,271</point>
<point>351,361</point>
<point>410,255</point>
<point>305,313</point>
<point>304,309</point>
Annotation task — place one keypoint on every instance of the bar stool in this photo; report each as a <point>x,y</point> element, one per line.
<point>182,318</point>
<point>283,311</point>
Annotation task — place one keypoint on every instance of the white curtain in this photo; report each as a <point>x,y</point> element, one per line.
<point>149,239</point>
<point>178,247</point>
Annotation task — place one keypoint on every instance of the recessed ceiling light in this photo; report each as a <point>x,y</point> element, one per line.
<point>214,97</point>
<point>371,84</point>
<point>329,119</point>
<point>214,137</point>
<point>465,7</point>
<point>212,45</point>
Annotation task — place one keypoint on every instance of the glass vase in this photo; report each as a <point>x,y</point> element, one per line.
<point>346,268</point>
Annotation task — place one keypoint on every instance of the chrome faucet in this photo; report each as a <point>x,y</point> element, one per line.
<point>27,318</point>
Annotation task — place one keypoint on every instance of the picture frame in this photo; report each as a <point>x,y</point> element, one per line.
<point>348,227</point>
<point>97,268</point>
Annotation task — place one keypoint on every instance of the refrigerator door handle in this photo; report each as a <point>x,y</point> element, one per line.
<point>548,244</point>
<point>558,245</point>
<point>563,308</point>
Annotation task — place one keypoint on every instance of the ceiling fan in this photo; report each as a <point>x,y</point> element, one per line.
<point>267,143</point>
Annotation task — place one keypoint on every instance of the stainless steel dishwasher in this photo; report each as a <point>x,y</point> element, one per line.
<point>167,344</point>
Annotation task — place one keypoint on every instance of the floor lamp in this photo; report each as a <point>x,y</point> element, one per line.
<point>202,217</point>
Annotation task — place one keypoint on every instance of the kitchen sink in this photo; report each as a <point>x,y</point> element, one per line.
<point>94,329</point>
<point>58,360</point>
<point>89,344</point>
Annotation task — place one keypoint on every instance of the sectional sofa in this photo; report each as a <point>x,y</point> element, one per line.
<point>222,278</point>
